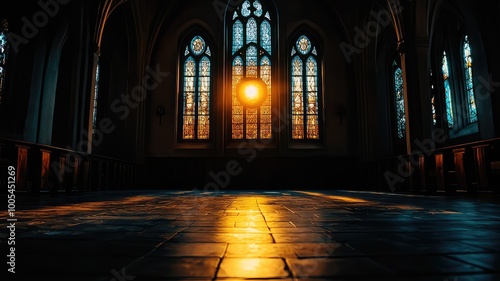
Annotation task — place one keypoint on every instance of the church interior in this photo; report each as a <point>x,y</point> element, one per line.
<point>250,139</point>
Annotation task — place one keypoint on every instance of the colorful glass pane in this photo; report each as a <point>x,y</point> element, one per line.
<point>237,108</point>
<point>245,8</point>
<point>251,62</point>
<point>400,103</point>
<point>96,96</point>
<point>433,103</point>
<point>204,99</point>
<point>197,45</point>
<point>4,50</point>
<point>196,92</point>
<point>237,36</point>
<point>469,81</point>
<point>305,90</point>
<point>447,90</point>
<point>251,31</point>
<point>189,101</point>
<point>265,36</point>
<point>304,45</point>
<point>312,99</point>
<point>265,109</point>
<point>297,99</point>
<point>258,8</point>
<point>251,46</point>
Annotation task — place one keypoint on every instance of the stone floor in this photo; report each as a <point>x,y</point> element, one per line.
<point>285,235</point>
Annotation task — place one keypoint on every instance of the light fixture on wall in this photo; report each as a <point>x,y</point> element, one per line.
<point>251,92</point>
<point>160,111</point>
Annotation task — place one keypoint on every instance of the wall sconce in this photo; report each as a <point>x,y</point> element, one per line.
<point>341,111</point>
<point>251,92</point>
<point>160,111</point>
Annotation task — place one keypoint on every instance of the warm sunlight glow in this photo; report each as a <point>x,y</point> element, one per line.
<point>251,92</point>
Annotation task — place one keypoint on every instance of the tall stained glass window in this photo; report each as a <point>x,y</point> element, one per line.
<point>96,95</point>
<point>399,100</point>
<point>251,51</point>
<point>433,103</point>
<point>196,90</point>
<point>469,81</point>
<point>4,51</point>
<point>447,90</point>
<point>304,87</point>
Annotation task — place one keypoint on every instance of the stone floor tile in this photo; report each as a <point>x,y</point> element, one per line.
<point>325,235</point>
<point>423,264</point>
<point>222,238</point>
<point>260,250</point>
<point>158,268</point>
<point>336,267</point>
<point>484,260</point>
<point>190,250</point>
<point>253,268</point>
<point>323,250</point>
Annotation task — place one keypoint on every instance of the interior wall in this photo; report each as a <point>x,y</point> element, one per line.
<point>337,90</point>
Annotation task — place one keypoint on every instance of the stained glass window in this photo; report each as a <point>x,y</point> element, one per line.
<point>305,90</point>
<point>251,47</point>
<point>447,90</point>
<point>469,81</point>
<point>196,91</point>
<point>237,36</point>
<point>96,95</point>
<point>433,102</point>
<point>400,101</point>
<point>4,51</point>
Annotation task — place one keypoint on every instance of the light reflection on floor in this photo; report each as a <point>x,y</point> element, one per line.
<point>283,235</point>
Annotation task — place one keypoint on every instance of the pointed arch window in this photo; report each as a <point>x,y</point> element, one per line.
<point>196,90</point>
<point>447,90</point>
<point>251,56</point>
<point>96,95</point>
<point>4,52</point>
<point>305,101</point>
<point>399,100</point>
<point>469,81</point>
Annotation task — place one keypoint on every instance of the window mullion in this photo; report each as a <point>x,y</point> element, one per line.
<point>304,95</point>
<point>196,98</point>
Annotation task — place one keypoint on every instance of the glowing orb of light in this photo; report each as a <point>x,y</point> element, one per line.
<point>251,92</point>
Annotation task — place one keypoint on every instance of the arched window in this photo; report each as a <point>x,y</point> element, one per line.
<point>305,105</point>
<point>447,90</point>
<point>196,90</point>
<point>96,95</point>
<point>469,81</point>
<point>4,51</point>
<point>399,100</point>
<point>433,100</point>
<point>251,50</point>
